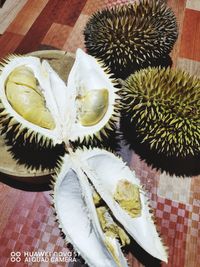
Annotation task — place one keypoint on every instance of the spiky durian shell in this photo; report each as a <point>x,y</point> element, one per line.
<point>103,170</point>
<point>35,156</point>
<point>133,36</point>
<point>161,119</point>
<point>33,150</point>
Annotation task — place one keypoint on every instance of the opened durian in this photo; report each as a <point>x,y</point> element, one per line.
<point>100,204</point>
<point>161,119</point>
<point>38,109</point>
<point>132,36</point>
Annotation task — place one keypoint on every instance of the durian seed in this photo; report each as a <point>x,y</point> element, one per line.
<point>26,99</point>
<point>92,106</point>
<point>127,195</point>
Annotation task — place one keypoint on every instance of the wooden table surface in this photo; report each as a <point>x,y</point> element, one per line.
<point>26,218</point>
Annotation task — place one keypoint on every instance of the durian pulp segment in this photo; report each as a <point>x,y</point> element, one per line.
<point>127,196</point>
<point>94,96</point>
<point>77,215</point>
<point>22,91</point>
<point>92,106</point>
<point>105,172</point>
<point>110,228</point>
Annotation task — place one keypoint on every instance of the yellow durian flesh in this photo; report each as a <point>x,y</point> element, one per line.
<point>93,105</point>
<point>109,227</point>
<point>25,97</point>
<point>23,75</point>
<point>127,196</point>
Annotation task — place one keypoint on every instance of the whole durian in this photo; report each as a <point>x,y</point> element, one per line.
<point>132,36</point>
<point>40,113</point>
<point>161,119</point>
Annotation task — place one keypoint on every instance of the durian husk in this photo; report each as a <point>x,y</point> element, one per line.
<point>61,62</point>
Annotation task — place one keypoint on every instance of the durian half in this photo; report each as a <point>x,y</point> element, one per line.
<point>100,206</point>
<point>38,107</point>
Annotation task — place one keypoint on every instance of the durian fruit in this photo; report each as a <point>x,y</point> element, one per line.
<point>37,108</point>
<point>100,206</point>
<point>132,36</point>
<point>161,119</point>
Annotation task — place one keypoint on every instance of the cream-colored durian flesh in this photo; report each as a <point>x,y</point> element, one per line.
<point>112,207</point>
<point>34,98</point>
<point>27,100</point>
